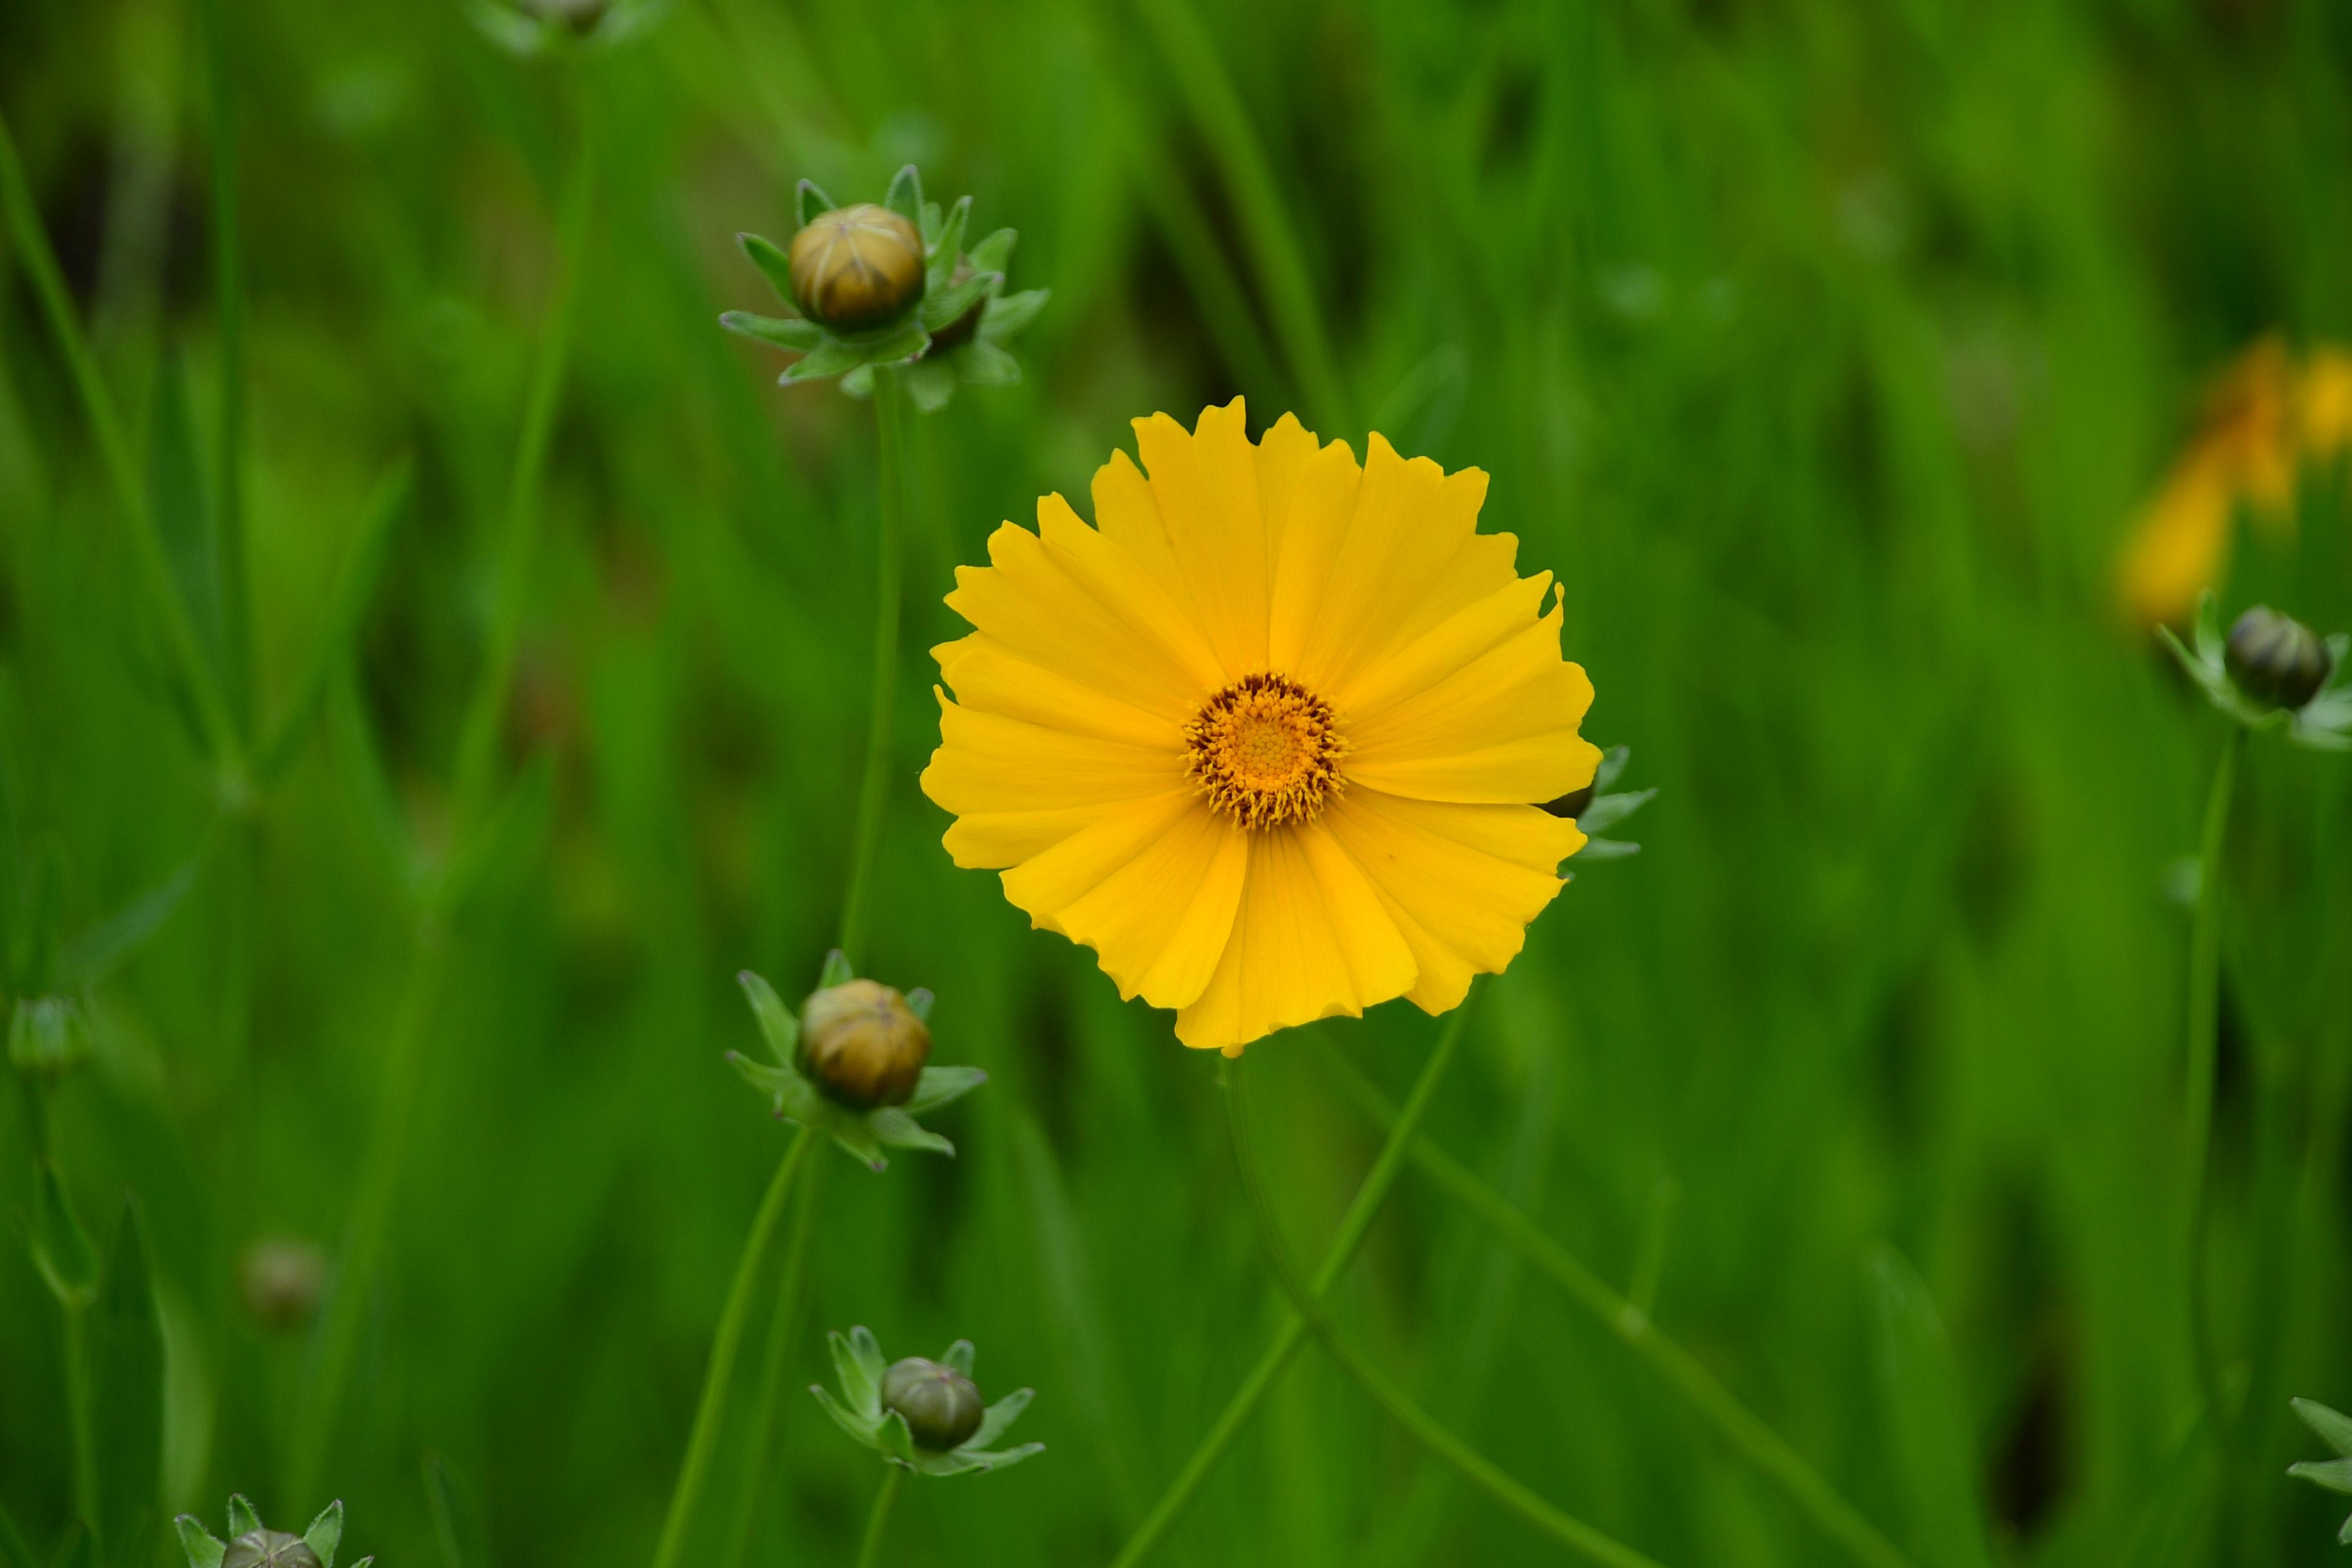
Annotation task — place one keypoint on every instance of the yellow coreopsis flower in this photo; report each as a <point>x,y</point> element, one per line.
<point>1265,737</point>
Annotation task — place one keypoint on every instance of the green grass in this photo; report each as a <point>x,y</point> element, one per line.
<point>1824,351</point>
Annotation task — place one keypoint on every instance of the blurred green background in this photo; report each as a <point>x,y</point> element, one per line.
<point>1826,351</point>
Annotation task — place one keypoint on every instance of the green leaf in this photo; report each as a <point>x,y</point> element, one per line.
<point>810,201</point>
<point>1933,1444</point>
<point>361,766</point>
<point>204,1550</point>
<point>1011,312</point>
<point>181,502</point>
<point>16,1553</point>
<point>906,198</point>
<point>941,1086</point>
<point>947,248</point>
<point>943,305</point>
<point>836,970</point>
<point>326,1533</point>
<point>782,1030</point>
<point>456,1527</point>
<point>38,934</point>
<point>242,1519</point>
<point>62,1251</point>
<point>772,263</point>
<point>788,332</point>
<point>992,254</point>
<point>94,954</point>
<point>2333,1427</point>
<point>517,823</point>
<point>982,363</point>
<point>929,384</point>
<point>346,608</point>
<point>2335,1475</point>
<point>126,1351</point>
<point>900,1131</point>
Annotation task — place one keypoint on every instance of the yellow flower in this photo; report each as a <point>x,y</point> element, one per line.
<point>1265,736</point>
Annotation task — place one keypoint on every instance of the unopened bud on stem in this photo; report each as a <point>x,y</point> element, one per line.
<point>2276,658</point>
<point>858,267</point>
<point>862,1045</point>
<point>269,1548</point>
<point>940,1405</point>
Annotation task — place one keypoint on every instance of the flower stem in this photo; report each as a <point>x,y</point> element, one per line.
<point>78,1415</point>
<point>873,790</point>
<point>1763,1447</point>
<point>1475,1467</point>
<point>870,1553</point>
<point>2204,1036</point>
<point>1292,1332</point>
<point>718,1377</point>
<point>771,1367</point>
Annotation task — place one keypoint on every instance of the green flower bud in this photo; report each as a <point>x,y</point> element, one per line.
<point>47,1037</point>
<point>942,1407</point>
<point>281,1278</point>
<point>2276,658</point>
<point>269,1548</point>
<point>862,1045</point>
<point>858,267</point>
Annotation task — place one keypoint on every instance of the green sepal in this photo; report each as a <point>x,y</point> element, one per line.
<point>326,1533</point>
<point>836,970</point>
<point>982,363</point>
<point>1612,763</point>
<point>831,357</point>
<point>810,203</point>
<point>1008,313</point>
<point>859,382</point>
<point>788,332</point>
<point>857,1360</point>
<point>773,265</point>
<point>859,1363</point>
<point>1608,809</point>
<point>891,1125</point>
<point>2322,725</point>
<point>242,1519</point>
<point>999,1416</point>
<point>929,383</point>
<point>943,305</point>
<point>936,1087</point>
<point>2335,1475</point>
<point>992,254</point>
<point>919,1002</point>
<point>958,1358</point>
<point>777,1023</point>
<point>62,1250</point>
<point>203,1550</point>
<point>2332,1426</point>
<point>946,248</point>
<point>1607,849</point>
<point>906,198</point>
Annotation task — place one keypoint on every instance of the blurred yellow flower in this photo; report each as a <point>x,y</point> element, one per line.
<point>2263,418</point>
<point>1265,736</point>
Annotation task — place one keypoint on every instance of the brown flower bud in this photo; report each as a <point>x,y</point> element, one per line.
<point>858,267</point>
<point>281,1278</point>
<point>2275,658</point>
<point>269,1548</point>
<point>863,1045</point>
<point>941,1407</point>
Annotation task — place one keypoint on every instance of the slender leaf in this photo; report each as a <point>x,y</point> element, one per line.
<point>1932,1443</point>
<point>127,1397</point>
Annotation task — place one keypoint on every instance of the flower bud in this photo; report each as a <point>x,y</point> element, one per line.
<point>2277,659</point>
<point>269,1548</point>
<point>863,1045</point>
<point>858,267</point>
<point>47,1037</point>
<point>941,1407</point>
<point>281,1278</point>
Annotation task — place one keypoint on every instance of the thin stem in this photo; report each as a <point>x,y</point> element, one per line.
<point>874,791</point>
<point>718,1378</point>
<point>778,1354</point>
<point>1763,1447</point>
<point>477,737</point>
<point>22,222</point>
<point>1473,1467</point>
<point>1292,1330</point>
<point>228,293</point>
<point>78,1415</point>
<point>870,1553</point>
<point>2204,1038</point>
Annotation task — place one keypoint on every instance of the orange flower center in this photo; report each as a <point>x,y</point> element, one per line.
<point>1264,751</point>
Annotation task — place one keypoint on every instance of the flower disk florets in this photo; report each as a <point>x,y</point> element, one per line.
<point>1264,751</point>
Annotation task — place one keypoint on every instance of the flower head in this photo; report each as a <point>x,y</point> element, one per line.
<point>1264,735</point>
<point>2272,673</point>
<point>252,1544</point>
<point>924,1415</point>
<point>851,1066</point>
<point>856,268</point>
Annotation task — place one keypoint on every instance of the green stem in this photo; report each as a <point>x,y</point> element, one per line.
<point>22,222</point>
<point>870,1553</point>
<point>718,1378</point>
<point>1281,261</point>
<point>1759,1444</point>
<point>228,511</point>
<point>874,791</point>
<point>777,1355</point>
<point>1473,1467</point>
<point>477,737</point>
<point>1292,1330</point>
<point>346,1310</point>
<point>78,1415</point>
<point>2204,1037</point>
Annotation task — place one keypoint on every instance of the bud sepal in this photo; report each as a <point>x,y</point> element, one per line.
<point>862,1413</point>
<point>851,1116</point>
<point>2321,721</point>
<point>528,28</point>
<point>1592,809</point>
<point>251,1544</point>
<point>2334,1429</point>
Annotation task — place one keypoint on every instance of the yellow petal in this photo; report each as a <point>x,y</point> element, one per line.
<point>1151,887</point>
<point>986,675</point>
<point>1460,882</point>
<point>1311,941</point>
<point>1146,605</point>
<point>1204,484</point>
<point>1500,729</point>
<point>987,763</point>
<point>1322,502</point>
